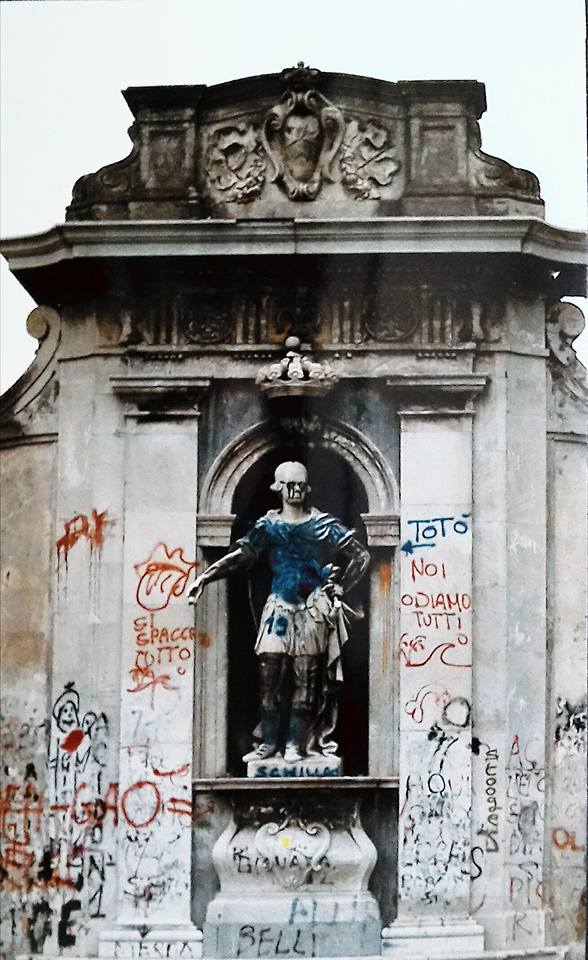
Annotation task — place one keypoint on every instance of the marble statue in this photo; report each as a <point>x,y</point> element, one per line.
<point>315,560</point>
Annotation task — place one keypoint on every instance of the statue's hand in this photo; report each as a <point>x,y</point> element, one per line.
<point>196,589</point>
<point>333,590</point>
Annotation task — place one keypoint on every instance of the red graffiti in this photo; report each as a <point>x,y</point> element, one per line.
<point>80,526</point>
<point>408,648</point>
<point>145,678</point>
<point>180,806</point>
<point>178,772</point>
<point>565,840</point>
<point>72,741</point>
<point>141,806</point>
<point>414,708</point>
<point>162,576</point>
<point>203,639</point>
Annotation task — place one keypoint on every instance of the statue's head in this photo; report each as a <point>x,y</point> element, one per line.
<point>291,482</point>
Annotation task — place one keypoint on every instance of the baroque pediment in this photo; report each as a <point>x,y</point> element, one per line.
<point>306,144</point>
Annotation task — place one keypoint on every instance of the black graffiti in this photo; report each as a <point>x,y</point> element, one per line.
<point>64,936</point>
<point>476,852</point>
<point>271,942</point>
<point>39,925</point>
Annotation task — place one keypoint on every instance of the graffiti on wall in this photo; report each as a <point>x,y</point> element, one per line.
<point>567,893</point>
<point>54,822</point>
<point>435,659</point>
<point>525,788</point>
<point>163,649</point>
<point>156,789</point>
<point>82,527</point>
<point>435,867</point>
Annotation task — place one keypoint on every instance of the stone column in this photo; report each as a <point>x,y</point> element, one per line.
<point>435,650</point>
<point>157,688</point>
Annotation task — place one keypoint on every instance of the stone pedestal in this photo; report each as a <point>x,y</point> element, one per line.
<point>293,870</point>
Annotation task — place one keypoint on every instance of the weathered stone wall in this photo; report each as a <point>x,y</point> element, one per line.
<point>28,482</point>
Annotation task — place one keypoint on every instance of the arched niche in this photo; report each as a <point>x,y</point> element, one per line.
<point>243,467</point>
<point>215,518</point>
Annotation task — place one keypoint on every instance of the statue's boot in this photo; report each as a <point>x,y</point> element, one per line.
<point>270,726</point>
<point>298,734</point>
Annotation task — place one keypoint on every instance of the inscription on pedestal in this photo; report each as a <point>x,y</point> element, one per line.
<point>309,767</point>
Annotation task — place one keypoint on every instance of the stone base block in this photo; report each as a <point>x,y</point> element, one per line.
<point>450,938</point>
<point>151,943</point>
<point>324,925</point>
<point>309,767</point>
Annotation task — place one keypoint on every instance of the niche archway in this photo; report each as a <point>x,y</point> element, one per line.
<point>233,494</point>
<point>337,490</point>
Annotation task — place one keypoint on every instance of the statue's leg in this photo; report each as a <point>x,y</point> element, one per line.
<point>307,673</point>
<point>272,668</point>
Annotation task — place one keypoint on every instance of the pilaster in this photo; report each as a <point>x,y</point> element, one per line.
<point>157,673</point>
<point>435,651</point>
<point>510,653</point>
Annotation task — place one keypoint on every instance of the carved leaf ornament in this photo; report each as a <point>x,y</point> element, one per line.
<point>303,136</point>
<point>236,163</point>
<point>367,160</point>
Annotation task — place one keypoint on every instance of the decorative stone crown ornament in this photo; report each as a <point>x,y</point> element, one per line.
<point>296,375</point>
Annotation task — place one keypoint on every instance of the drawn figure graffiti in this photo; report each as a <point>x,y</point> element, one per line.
<point>302,627</point>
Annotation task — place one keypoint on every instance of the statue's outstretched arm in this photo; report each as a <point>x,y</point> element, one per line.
<point>359,561</point>
<point>237,559</point>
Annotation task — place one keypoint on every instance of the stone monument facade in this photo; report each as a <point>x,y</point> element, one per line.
<point>323,273</point>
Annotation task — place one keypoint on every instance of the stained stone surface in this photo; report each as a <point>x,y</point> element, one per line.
<point>307,144</point>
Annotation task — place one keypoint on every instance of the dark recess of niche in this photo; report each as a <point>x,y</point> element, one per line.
<point>336,490</point>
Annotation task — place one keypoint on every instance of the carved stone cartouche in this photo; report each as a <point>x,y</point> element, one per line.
<point>302,134</point>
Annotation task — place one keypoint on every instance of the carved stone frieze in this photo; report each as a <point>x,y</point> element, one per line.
<point>236,163</point>
<point>259,147</point>
<point>302,134</point>
<point>203,316</point>
<point>341,311</point>
<point>368,159</point>
<point>429,316</point>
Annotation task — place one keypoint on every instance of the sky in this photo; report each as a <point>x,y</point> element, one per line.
<point>64,62</point>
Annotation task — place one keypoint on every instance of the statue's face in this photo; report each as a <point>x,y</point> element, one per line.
<point>293,479</point>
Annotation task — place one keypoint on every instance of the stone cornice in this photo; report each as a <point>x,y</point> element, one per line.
<point>172,395</point>
<point>394,235</point>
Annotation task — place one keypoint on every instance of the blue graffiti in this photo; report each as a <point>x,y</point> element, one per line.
<point>428,531</point>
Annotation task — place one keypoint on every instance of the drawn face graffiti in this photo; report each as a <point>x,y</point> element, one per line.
<point>302,144</point>
<point>67,716</point>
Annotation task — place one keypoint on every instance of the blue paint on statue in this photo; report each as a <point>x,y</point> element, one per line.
<point>299,554</point>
